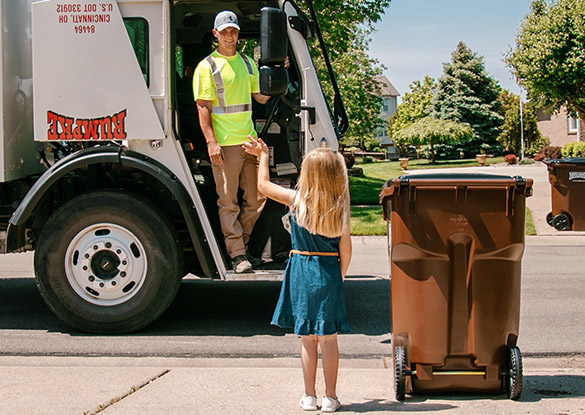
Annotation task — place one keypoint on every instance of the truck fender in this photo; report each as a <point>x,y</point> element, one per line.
<point>15,234</point>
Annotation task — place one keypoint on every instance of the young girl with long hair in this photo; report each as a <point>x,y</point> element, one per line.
<point>311,298</point>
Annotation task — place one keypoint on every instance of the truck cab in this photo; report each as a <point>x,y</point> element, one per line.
<point>105,172</point>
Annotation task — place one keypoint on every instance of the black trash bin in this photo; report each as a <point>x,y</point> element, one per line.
<point>456,244</point>
<point>567,179</point>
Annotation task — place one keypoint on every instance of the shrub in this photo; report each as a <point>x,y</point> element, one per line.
<point>536,146</point>
<point>442,151</point>
<point>576,149</point>
<point>539,157</point>
<point>511,158</point>
<point>567,149</point>
<point>552,152</point>
<point>349,158</point>
<point>453,151</point>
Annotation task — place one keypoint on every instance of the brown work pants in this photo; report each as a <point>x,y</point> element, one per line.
<point>239,171</point>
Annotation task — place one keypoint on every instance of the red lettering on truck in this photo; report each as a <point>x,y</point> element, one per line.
<point>110,127</point>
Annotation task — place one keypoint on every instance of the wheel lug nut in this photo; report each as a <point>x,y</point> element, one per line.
<point>86,256</point>
<point>91,278</point>
<point>85,267</point>
<point>124,262</point>
<point>123,274</point>
<point>118,251</point>
<point>95,247</point>
<point>114,283</point>
<point>108,245</point>
<point>102,285</point>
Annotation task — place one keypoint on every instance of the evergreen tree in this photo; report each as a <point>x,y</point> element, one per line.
<point>467,94</point>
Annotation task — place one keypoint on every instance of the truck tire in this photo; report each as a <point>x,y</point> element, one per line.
<point>108,262</point>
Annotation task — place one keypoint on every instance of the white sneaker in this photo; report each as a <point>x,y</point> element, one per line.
<point>308,403</point>
<point>330,404</point>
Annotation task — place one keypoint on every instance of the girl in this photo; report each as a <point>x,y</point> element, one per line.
<point>311,298</point>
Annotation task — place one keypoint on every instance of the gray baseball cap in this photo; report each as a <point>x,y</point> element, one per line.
<point>225,19</point>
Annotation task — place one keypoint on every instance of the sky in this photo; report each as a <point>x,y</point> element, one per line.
<point>415,37</point>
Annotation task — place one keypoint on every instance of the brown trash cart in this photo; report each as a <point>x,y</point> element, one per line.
<point>457,242</point>
<point>567,179</point>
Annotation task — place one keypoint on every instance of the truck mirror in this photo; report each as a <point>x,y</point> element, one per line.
<point>273,51</point>
<point>273,80</point>
<point>273,36</point>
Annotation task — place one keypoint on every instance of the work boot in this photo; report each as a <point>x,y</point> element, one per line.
<point>255,261</point>
<point>241,264</point>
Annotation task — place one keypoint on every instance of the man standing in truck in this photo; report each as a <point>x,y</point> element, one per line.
<point>223,86</point>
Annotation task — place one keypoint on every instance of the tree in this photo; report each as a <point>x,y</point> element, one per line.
<point>346,26</point>
<point>414,106</point>
<point>467,94</point>
<point>510,135</point>
<point>548,60</point>
<point>431,131</point>
<point>340,19</point>
<point>356,75</point>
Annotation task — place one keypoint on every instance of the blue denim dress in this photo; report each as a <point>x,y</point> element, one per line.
<point>311,297</point>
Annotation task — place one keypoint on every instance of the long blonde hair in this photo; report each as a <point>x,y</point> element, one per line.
<point>322,202</point>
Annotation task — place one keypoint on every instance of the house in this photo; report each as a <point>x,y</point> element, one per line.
<point>389,95</point>
<point>560,127</point>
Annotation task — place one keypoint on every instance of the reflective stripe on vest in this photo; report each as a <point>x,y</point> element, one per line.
<point>222,108</point>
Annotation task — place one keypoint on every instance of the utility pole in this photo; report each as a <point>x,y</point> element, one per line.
<point>521,130</point>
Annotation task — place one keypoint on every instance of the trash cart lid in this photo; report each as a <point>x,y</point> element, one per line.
<point>456,176</point>
<point>454,179</point>
<point>567,160</point>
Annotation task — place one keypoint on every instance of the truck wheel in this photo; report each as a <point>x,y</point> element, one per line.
<point>108,262</point>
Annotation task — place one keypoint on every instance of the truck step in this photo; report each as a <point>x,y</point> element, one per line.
<point>260,275</point>
<point>2,241</point>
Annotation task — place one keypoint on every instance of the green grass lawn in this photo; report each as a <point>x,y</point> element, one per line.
<point>367,220</point>
<point>365,190</point>
<point>530,229</point>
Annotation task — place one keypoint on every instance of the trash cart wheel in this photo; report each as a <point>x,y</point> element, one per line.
<point>513,374</point>
<point>549,218</point>
<point>399,372</point>
<point>562,222</point>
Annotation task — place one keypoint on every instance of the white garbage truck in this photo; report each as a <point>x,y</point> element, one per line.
<point>104,171</point>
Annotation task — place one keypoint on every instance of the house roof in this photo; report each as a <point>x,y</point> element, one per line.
<point>386,141</point>
<point>388,90</point>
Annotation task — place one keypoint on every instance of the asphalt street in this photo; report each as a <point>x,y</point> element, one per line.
<point>231,319</point>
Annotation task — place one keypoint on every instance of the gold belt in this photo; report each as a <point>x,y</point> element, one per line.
<point>294,251</point>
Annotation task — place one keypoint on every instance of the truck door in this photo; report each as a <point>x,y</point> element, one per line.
<point>99,92</point>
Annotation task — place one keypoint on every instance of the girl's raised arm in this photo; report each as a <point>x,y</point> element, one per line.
<point>265,186</point>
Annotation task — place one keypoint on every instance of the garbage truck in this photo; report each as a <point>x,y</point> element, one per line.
<point>104,171</point>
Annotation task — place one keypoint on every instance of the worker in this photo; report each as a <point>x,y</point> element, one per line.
<point>224,84</point>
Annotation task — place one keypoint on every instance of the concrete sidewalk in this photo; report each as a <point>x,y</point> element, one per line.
<point>154,386</point>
